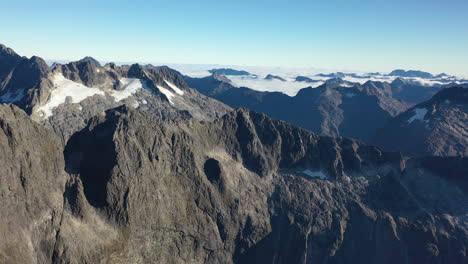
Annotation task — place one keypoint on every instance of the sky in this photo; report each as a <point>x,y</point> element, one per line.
<point>364,35</point>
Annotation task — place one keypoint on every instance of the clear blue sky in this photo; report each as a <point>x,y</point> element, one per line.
<point>363,35</point>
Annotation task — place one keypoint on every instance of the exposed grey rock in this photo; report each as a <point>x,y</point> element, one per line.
<point>22,80</point>
<point>171,179</point>
<point>92,60</point>
<point>32,182</point>
<point>8,60</point>
<point>221,78</point>
<point>147,190</point>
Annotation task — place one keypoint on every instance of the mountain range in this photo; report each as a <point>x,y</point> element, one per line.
<point>65,96</point>
<point>141,164</point>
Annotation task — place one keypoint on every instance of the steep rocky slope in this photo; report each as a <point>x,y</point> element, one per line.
<point>438,126</point>
<point>32,182</point>
<point>242,189</point>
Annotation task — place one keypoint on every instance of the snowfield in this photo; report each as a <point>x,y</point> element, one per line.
<point>130,87</point>
<point>65,88</point>
<point>175,88</point>
<point>77,92</point>
<point>419,114</point>
<point>167,93</point>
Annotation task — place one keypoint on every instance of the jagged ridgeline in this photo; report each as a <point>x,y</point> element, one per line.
<point>65,96</point>
<point>128,164</point>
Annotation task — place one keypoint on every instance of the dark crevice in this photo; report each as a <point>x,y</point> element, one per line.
<point>212,170</point>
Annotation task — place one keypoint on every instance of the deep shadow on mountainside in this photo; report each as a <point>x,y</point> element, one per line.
<point>132,187</point>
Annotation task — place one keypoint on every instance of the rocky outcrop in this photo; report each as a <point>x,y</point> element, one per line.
<point>92,60</point>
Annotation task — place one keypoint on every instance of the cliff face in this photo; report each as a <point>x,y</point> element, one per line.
<point>242,189</point>
<point>32,181</point>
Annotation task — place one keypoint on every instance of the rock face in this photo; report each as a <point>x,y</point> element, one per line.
<point>92,60</point>
<point>435,127</point>
<point>22,80</point>
<point>333,109</point>
<point>242,189</point>
<point>32,181</point>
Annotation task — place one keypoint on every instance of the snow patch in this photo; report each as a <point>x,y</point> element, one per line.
<point>419,114</point>
<point>144,102</point>
<point>65,88</point>
<point>345,84</point>
<point>167,93</point>
<point>135,104</point>
<point>175,88</point>
<point>130,87</point>
<point>315,174</point>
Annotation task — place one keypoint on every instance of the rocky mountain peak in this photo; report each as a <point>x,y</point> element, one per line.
<point>220,77</point>
<point>274,77</point>
<point>399,81</point>
<point>6,51</point>
<point>92,60</point>
<point>136,71</point>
